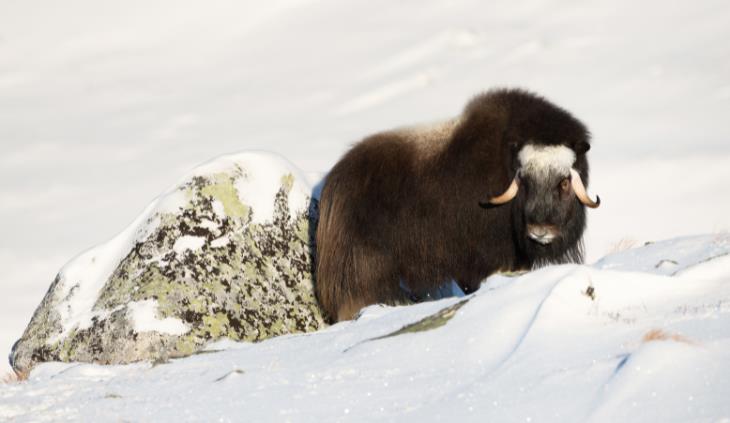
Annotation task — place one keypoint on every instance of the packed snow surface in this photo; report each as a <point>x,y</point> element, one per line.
<point>567,343</point>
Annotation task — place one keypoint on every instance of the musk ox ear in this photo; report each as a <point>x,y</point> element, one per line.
<point>582,147</point>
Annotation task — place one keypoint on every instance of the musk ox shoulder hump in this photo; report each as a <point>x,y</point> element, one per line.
<point>428,139</point>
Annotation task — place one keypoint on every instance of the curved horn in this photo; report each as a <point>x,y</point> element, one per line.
<point>506,196</point>
<point>580,190</point>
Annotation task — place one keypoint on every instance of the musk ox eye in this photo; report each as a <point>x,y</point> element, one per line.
<point>565,184</point>
<point>582,147</point>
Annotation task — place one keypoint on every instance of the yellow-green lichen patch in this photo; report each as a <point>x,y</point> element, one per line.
<point>45,325</point>
<point>216,325</point>
<point>287,182</point>
<point>223,190</point>
<point>434,321</point>
<point>255,286</point>
<point>431,322</point>
<point>185,346</point>
<point>66,347</point>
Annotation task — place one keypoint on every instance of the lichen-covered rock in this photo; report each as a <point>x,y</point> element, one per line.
<point>226,253</point>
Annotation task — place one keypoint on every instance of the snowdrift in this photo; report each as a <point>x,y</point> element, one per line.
<point>643,335</point>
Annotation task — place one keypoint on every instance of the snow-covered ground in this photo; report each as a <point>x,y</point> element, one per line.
<point>642,336</point>
<point>105,105</point>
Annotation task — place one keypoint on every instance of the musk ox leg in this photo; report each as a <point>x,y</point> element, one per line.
<point>354,277</point>
<point>349,309</point>
<point>469,285</point>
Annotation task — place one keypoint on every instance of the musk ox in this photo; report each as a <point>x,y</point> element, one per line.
<point>501,187</point>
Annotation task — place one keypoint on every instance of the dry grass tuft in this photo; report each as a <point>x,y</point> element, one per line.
<point>721,235</point>
<point>622,245</point>
<point>660,335</point>
<point>14,377</point>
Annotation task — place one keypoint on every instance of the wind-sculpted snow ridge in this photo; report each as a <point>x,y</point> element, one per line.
<point>669,257</point>
<point>561,344</point>
<point>225,253</point>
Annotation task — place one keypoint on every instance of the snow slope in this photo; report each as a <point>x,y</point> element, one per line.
<point>644,347</point>
<point>104,105</point>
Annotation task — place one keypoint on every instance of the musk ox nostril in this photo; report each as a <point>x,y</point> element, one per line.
<point>537,230</point>
<point>544,234</point>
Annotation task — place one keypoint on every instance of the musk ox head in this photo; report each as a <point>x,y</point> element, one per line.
<point>547,196</point>
<point>542,173</point>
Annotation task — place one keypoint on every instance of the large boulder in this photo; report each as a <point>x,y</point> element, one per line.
<point>225,253</point>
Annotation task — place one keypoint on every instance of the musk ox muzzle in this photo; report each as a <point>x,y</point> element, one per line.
<point>543,234</point>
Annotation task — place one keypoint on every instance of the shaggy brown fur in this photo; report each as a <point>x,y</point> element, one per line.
<point>407,207</point>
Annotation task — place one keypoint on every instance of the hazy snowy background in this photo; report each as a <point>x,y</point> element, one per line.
<point>105,105</point>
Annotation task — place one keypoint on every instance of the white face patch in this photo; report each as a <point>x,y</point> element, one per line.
<point>541,160</point>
